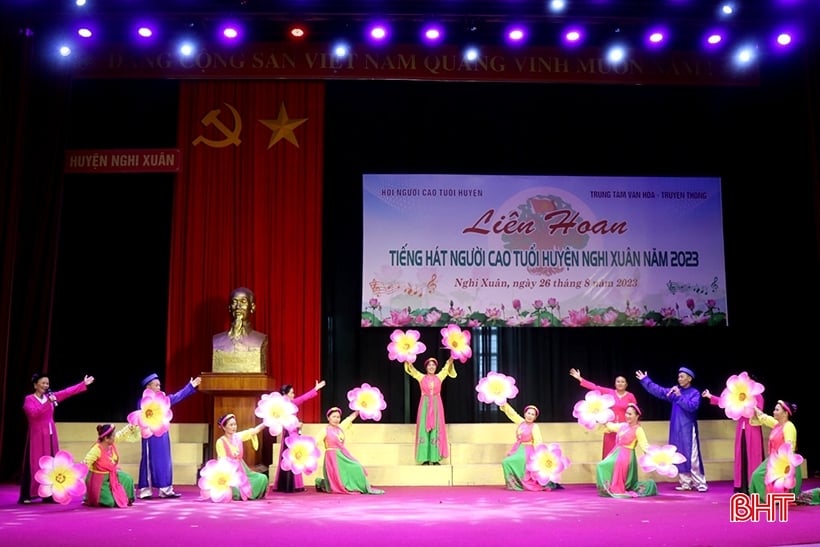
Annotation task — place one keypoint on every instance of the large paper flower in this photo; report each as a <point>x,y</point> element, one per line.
<point>457,341</point>
<point>218,477</point>
<point>781,467</point>
<point>496,388</point>
<point>368,401</point>
<point>546,463</point>
<point>405,346</point>
<point>154,416</point>
<point>301,455</point>
<point>60,478</point>
<point>662,460</point>
<point>277,412</point>
<point>739,397</point>
<point>595,408</point>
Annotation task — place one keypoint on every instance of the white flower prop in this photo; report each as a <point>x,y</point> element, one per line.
<point>662,460</point>
<point>595,408</point>
<point>496,388</point>
<point>277,412</point>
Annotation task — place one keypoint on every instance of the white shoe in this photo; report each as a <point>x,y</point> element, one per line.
<point>683,487</point>
<point>145,493</point>
<point>703,488</point>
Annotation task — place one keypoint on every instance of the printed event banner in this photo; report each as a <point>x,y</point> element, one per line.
<point>540,251</point>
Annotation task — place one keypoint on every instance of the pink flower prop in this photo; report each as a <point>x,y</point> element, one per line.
<point>154,416</point>
<point>781,467</point>
<point>661,459</point>
<point>277,412</point>
<point>738,399</point>
<point>405,346</point>
<point>546,463</point>
<point>368,401</point>
<point>218,477</point>
<point>457,341</point>
<point>496,388</point>
<point>60,478</point>
<point>594,408</point>
<point>301,455</point>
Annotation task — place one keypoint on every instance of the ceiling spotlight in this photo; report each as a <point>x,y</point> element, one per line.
<point>557,6</point>
<point>516,35</point>
<point>145,32</point>
<point>297,32</point>
<point>616,54</point>
<point>378,32</point>
<point>80,3</point>
<point>727,9</point>
<point>432,34</point>
<point>745,55</point>
<point>85,32</point>
<point>229,32</point>
<point>65,51</point>
<point>186,49</point>
<point>341,50</point>
<point>656,37</point>
<point>714,38</point>
<point>573,36</point>
<point>471,54</point>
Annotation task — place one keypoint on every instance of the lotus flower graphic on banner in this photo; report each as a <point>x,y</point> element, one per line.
<point>301,455</point>
<point>404,347</point>
<point>546,463</point>
<point>496,388</point>
<point>781,467</point>
<point>60,478</point>
<point>277,412</point>
<point>155,414</point>
<point>458,342</point>
<point>218,477</point>
<point>595,408</point>
<point>661,460</point>
<point>368,401</point>
<point>738,398</point>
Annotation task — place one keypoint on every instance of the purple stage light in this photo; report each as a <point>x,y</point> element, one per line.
<point>432,34</point>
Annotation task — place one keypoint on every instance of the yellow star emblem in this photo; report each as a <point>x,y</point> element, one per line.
<point>282,127</point>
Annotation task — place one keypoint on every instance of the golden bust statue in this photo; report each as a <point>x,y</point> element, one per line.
<point>240,349</point>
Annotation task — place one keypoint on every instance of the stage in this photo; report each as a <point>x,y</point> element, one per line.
<point>411,516</point>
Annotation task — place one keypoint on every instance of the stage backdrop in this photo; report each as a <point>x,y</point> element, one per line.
<point>542,251</point>
<point>248,213</point>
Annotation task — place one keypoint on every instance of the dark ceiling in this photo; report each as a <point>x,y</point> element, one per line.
<point>479,19</point>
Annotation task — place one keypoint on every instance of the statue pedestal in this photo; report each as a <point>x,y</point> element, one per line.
<point>238,393</point>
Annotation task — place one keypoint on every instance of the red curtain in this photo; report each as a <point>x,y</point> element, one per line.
<point>247,213</point>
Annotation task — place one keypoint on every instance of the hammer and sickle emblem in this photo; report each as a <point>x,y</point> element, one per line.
<point>231,137</point>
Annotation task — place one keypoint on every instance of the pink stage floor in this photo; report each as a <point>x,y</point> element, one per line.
<point>409,516</point>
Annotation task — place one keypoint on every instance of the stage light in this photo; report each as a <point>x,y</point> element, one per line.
<point>186,49</point>
<point>516,35</point>
<point>378,32</point>
<point>745,55</point>
<point>471,53</point>
<point>65,51</point>
<point>297,31</point>
<point>727,9</point>
<point>783,39</point>
<point>616,54</point>
<point>714,38</point>
<point>573,36</point>
<point>656,37</point>
<point>145,32</point>
<point>229,32</point>
<point>341,50</point>
<point>80,3</point>
<point>432,33</point>
<point>557,6</point>
<point>85,32</point>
